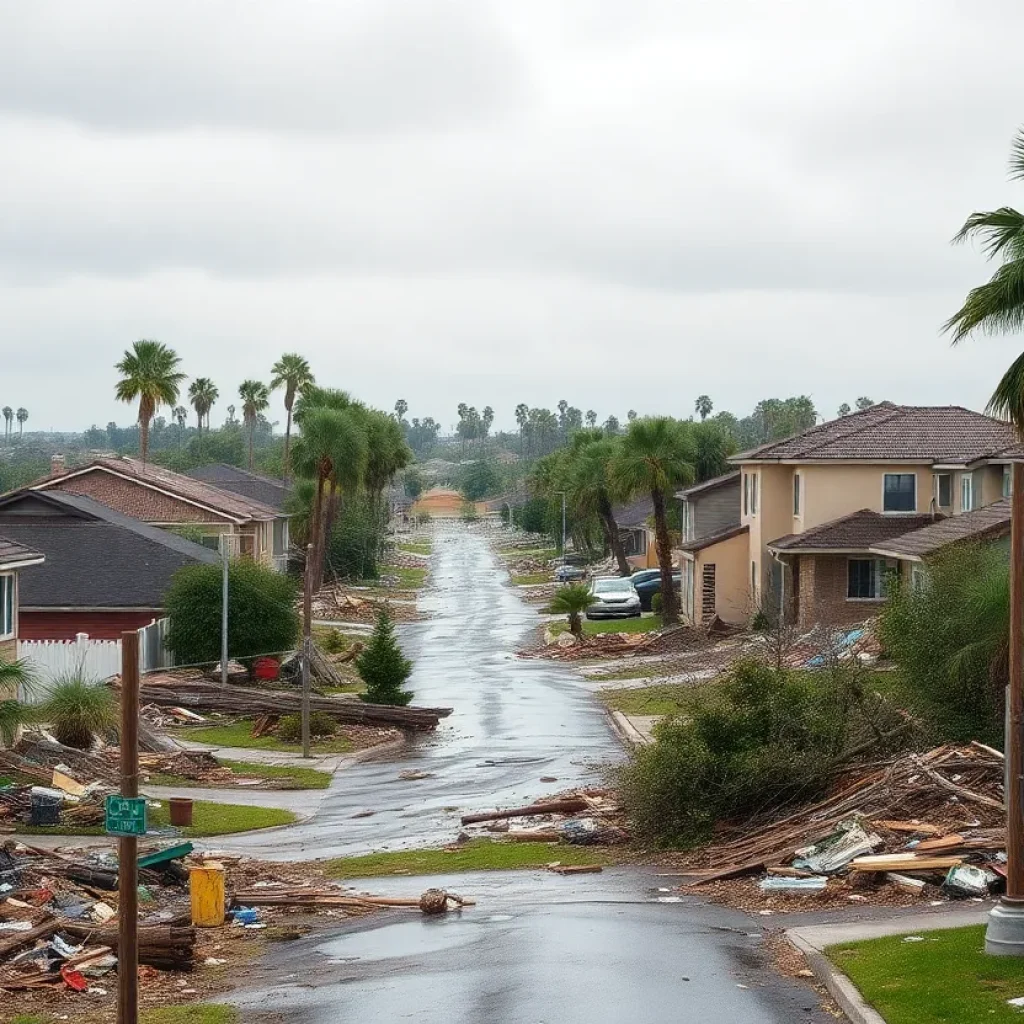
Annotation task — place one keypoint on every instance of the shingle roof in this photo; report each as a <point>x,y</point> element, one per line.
<point>94,563</point>
<point>856,532</point>
<point>12,553</point>
<point>715,538</point>
<point>983,522</point>
<point>709,485</point>
<point>264,489</point>
<point>232,505</point>
<point>635,514</point>
<point>944,434</point>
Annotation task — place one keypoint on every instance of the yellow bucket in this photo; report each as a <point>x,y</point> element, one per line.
<point>206,884</point>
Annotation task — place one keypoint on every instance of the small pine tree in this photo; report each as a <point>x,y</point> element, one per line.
<point>383,667</point>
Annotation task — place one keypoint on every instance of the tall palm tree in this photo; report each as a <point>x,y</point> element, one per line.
<point>180,414</point>
<point>292,373</point>
<point>255,396</point>
<point>22,415</point>
<point>401,408</point>
<point>8,420</point>
<point>703,406</point>
<point>656,455</point>
<point>522,417</point>
<point>149,373</point>
<point>202,393</point>
<point>589,489</point>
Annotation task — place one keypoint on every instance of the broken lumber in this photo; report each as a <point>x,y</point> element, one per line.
<point>41,931</point>
<point>575,869</point>
<point>909,827</point>
<point>571,805</point>
<point>904,862</point>
<point>942,843</point>
<point>163,946</point>
<point>906,883</point>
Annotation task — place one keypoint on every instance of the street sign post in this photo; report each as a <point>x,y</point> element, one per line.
<point>125,816</point>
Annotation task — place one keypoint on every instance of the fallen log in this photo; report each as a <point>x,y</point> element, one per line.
<point>322,669</point>
<point>161,945</point>
<point>248,702</point>
<point>571,805</point>
<point>575,869</point>
<point>41,931</point>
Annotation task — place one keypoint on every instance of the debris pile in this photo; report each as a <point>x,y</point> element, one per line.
<point>336,603</point>
<point>918,826</point>
<point>566,647</point>
<point>820,646</point>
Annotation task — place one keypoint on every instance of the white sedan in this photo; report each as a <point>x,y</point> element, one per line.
<point>613,597</point>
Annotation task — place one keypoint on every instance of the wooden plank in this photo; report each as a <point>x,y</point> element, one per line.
<point>904,862</point>
<point>942,843</point>
<point>909,826</point>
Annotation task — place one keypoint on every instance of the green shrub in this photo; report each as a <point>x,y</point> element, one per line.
<point>14,676</point>
<point>78,709</point>
<point>761,623</point>
<point>262,615</point>
<point>656,603</point>
<point>334,642</point>
<point>758,740</point>
<point>289,727</point>
<point>383,667</point>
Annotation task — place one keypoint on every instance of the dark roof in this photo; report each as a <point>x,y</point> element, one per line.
<point>12,553</point>
<point>856,532</point>
<point>99,563</point>
<point>710,485</point>
<point>714,538</point>
<point>635,514</point>
<point>264,489</point>
<point>230,505</point>
<point>991,520</point>
<point>928,433</point>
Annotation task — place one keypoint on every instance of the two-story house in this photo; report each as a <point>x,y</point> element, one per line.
<point>828,514</point>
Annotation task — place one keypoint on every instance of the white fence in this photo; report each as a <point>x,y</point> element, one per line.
<point>92,659</point>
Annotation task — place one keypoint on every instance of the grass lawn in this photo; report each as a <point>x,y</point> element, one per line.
<point>478,855</point>
<point>591,627</point>
<point>190,1013</point>
<point>353,687</point>
<point>417,548</point>
<point>208,819</point>
<point>647,670</point>
<point>239,734</point>
<point>532,579</point>
<point>407,578</point>
<point>649,700</point>
<point>946,979</point>
<point>514,553</point>
<point>293,777</point>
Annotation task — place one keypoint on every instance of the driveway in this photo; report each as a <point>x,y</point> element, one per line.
<point>514,723</point>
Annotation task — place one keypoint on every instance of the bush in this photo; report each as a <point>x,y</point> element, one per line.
<point>289,727</point>
<point>355,545</point>
<point>759,740</point>
<point>262,615</point>
<point>383,667</point>
<point>950,640</point>
<point>79,709</point>
<point>656,603</point>
<point>334,642</point>
<point>761,622</point>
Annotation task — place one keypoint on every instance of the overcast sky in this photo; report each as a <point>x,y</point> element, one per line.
<point>624,203</point>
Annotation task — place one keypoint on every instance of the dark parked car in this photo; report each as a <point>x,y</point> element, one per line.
<point>648,583</point>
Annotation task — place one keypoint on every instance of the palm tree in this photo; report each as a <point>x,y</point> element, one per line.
<point>202,393</point>
<point>591,419</point>
<point>8,420</point>
<point>573,601</point>
<point>180,414</point>
<point>522,417</point>
<point>703,406</point>
<point>588,488</point>
<point>149,373</point>
<point>631,415</point>
<point>231,415</point>
<point>292,373</point>
<point>656,455</point>
<point>844,409</point>
<point>255,396</point>
<point>401,408</point>
<point>22,415</point>
<point>15,676</point>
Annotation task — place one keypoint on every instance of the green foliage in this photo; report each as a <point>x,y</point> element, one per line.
<point>357,539</point>
<point>760,623</point>
<point>334,642</point>
<point>78,709</point>
<point>413,480</point>
<point>469,513</point>
<point>289,727</point>
<point>14,676</point>
<point>262,617</point>
<point>479,480</point>
<point>756,741</point>
<point>656,603</point>
<point>533,516</point>
<point>383,667</point>
<point>572,601</point>
<point>950,640</point>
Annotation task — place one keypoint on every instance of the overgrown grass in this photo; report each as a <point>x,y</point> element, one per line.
<point>649,670</point>
<point>408,578</point>
<point>293,777</point>
<point>943,979</point>
<point>536,553</point>
<point>417,547</point>
<point>591,627</point>
<point>528,579</point>
<point>190,1013</point>
<point>478,855</point>
<point>239,734</point>
<point>208,819</point>
<point>668,699</point>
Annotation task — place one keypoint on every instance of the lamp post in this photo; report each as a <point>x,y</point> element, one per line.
<point>562,493</point>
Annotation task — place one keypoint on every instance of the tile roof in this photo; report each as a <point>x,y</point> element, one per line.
<point>264,489</point>
<point>714,538</point>
<point>859,531</point>
<point>710,485</point>
<point>943,434</point>
<point>12,553</point>
<point>232,505</point>
<point>991,520</point>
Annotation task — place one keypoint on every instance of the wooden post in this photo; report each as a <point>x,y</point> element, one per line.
<point>127,846</point>
<point>1015,749</point>
<point>307,645</point>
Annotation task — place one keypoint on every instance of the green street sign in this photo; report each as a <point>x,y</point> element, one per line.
<point>125,815</point>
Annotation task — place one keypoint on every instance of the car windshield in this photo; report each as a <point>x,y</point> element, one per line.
<point>612,586</point>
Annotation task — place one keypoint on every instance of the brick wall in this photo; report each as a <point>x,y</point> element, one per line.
<point>824,580</point>
<point>132,499</point>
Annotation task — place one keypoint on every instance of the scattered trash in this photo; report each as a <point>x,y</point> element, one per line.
<point>913,938</point>
<point>813,884</point>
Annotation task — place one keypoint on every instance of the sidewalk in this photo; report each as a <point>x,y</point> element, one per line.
<point>634,730</point>
<point>302,802</point>
<point>812,940</point>
<point>321,762</point>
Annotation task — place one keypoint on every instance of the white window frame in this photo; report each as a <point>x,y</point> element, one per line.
<point>798,495</point>
<point>883,566</point>
<point>938,490</point>
<point>899,511</point>
<point>746,493</point>
<point>687,518</point>
<point>753,494</point>
<point>967,488</point>
<point>8,605</point>
<point>1008,480</point>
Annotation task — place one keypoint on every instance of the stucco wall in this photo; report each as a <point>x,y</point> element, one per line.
<point>732,588</point>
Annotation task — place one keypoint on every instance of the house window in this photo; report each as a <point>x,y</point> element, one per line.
<point>687,520</point>
<point>796,494</point>
<point>966,492</point>
<point>899,492</point>
<point>1007,480</point>
<point>7,606</point>
<point>944,490</point>
<point>746,494</point>
<point>753,494</point>
<point>866,579</point>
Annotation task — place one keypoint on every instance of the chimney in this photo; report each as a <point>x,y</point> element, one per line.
<point>58,467</point>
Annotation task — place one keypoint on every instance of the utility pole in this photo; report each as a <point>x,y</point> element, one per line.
<point>223,610</point>
<point>1005,933</point>
<point>562,493</point>
<point>128,846</point>
<point>307,644</point>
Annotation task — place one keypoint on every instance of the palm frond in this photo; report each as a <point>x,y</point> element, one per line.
<point>995,307</point>
<point>1007,400</point>
<point>1017,156</point>
<point>997,229</point>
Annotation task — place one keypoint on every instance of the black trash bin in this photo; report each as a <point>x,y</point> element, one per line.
<point>45,809</point>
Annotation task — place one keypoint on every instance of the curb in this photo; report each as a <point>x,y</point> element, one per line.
<point>839,986</point>
<point>624,729</point>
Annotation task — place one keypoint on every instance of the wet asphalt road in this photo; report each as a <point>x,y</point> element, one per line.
<point>514,722</point>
